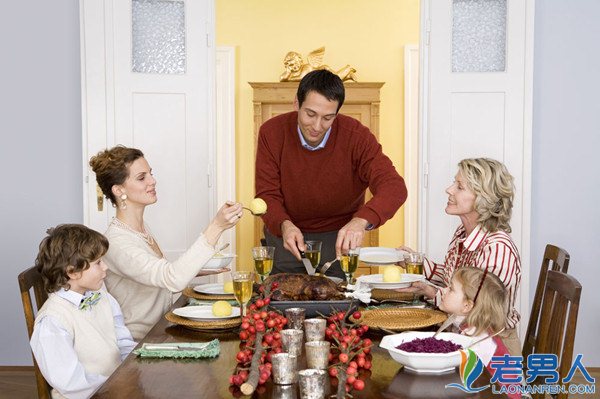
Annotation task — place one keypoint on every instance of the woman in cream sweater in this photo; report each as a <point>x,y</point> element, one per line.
<point>139,276</point>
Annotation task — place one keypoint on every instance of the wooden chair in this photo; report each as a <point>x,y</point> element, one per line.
<point>555,258</point>
<point>28,280</point>
<point>558,320</point>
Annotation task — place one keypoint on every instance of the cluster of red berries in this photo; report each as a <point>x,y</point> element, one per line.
<point>258,320</point>
<point>350,354</point>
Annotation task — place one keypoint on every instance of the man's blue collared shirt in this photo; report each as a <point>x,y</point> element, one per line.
<point>308,146</point>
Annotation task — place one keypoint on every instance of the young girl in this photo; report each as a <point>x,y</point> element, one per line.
<point>79,336</point>
<point>478,300</point>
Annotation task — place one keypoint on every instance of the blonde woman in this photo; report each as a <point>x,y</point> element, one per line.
<point>138,275</point>
<point>482,197</point>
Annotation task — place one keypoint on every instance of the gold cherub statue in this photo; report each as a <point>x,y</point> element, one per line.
<point>296,69</point>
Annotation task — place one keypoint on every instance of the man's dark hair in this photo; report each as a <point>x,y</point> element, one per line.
<point>326,83</point>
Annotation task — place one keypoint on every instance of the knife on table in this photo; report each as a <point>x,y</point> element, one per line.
<point>172,347</point>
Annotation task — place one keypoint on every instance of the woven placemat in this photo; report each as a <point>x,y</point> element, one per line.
<point>190,293</point>
<point>204,325</point>
<point>402,319</point>
<point>380,295</point>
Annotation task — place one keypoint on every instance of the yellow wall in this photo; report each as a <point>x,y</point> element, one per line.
<point>370,35</point>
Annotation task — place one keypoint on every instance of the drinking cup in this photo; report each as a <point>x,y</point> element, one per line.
<point>317,354</point>
<point>285,368</point>
<point>291,341</point>
<point>312,383</point>
<point>295,317</point>
<point>414,262</point>
<point>314,329</point>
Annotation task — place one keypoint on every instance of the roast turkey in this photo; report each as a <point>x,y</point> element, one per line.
<point>302,287</point>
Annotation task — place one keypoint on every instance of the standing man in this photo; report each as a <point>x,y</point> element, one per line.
<point>312,169</point>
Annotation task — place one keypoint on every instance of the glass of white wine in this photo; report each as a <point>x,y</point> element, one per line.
<point>242,288</point>
<point>349,263</point>
<point>313,252</point>
<point>263,261</point>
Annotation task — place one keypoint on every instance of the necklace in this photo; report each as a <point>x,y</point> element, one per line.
<point>147,237</point>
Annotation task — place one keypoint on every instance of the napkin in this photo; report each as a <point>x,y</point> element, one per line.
<point>180,350</point>
<point>360,291</point>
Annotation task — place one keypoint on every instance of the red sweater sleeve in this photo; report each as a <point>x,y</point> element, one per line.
<point>268,178</point>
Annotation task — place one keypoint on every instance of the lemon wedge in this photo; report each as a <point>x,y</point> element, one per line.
<point>221,309</point>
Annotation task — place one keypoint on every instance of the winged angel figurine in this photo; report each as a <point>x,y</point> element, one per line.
<point>296,69</point>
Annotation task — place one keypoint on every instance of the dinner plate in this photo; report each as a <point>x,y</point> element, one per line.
<point>381,255</point>
<point>376,281</point>
<point>203,313</point>
<point>211,289</point>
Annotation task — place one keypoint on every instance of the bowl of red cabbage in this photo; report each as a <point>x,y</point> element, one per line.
<point>420,352</point>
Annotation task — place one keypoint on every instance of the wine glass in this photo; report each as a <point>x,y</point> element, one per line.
<point>263,261</point>
<point>313,252</point>
<point>242,288</point>
<point>349,262</point>
<point>414,262</point>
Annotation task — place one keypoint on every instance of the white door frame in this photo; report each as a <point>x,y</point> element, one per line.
<point>525,251</point>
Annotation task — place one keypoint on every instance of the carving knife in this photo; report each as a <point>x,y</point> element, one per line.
<point>307,265</point>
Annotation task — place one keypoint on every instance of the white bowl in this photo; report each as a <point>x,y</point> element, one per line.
<point>426,363</point>
<point>219,261</point>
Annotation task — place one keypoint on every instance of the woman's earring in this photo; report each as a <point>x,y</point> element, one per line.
<point>123,203</point>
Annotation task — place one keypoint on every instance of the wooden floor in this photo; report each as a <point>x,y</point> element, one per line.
<point>19,383</point>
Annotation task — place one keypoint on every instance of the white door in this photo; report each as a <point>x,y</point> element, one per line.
<point>476,103</point>
<point>148,82</point>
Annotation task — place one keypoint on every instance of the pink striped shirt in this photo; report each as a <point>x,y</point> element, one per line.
<point>494,251</point>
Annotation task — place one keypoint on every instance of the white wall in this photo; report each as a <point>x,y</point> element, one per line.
<point>40,146</point>
<point>566,144</point>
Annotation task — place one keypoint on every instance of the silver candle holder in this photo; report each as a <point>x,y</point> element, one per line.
<point>291,341</point>
<point>285,392</point>
<point>317,354</point>
<point>285,368</point>
<point>312,384</point>
<point>315,329</point>
<point>295,317</point>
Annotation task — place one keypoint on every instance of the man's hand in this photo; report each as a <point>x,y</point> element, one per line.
<point>292,238</point>
<point>351,235</point>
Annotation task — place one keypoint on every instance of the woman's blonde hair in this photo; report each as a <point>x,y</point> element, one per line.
<point>494,190</point>
<point>490,308</point>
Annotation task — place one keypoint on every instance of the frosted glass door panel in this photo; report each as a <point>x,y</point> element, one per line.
<point>478,35</point>
<point>158,36</point>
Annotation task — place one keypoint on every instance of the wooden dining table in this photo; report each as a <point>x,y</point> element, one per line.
<point>209,378</point>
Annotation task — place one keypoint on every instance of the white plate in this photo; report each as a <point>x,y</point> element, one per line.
<point>219,261</point>
<point>203,313</point>
<point>376,281</point>
<point>211,289</point>
<point>381,255</point>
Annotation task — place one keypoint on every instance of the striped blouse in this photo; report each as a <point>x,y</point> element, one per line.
<point>494,251</point>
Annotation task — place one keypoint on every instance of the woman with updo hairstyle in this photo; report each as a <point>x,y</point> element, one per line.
<point>139,276</point>
<point>482,197</point>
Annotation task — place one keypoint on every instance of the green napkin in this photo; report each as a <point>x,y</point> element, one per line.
<point>180,350</point>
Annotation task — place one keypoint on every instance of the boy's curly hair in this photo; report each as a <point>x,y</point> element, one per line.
<point>68,248</point>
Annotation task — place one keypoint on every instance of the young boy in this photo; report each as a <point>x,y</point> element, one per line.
<point>79,337</point>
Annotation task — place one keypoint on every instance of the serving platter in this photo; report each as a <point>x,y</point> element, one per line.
<point>211,289</point>
<point>314,308</point>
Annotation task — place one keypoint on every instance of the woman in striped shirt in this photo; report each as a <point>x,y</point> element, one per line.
<point>482,196</point>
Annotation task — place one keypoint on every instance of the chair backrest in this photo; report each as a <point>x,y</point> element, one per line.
<point>29,280</point>
<point>558,320</point>
<point>555,258</point>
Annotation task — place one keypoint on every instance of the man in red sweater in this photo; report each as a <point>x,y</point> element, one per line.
<point>312,169</point>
